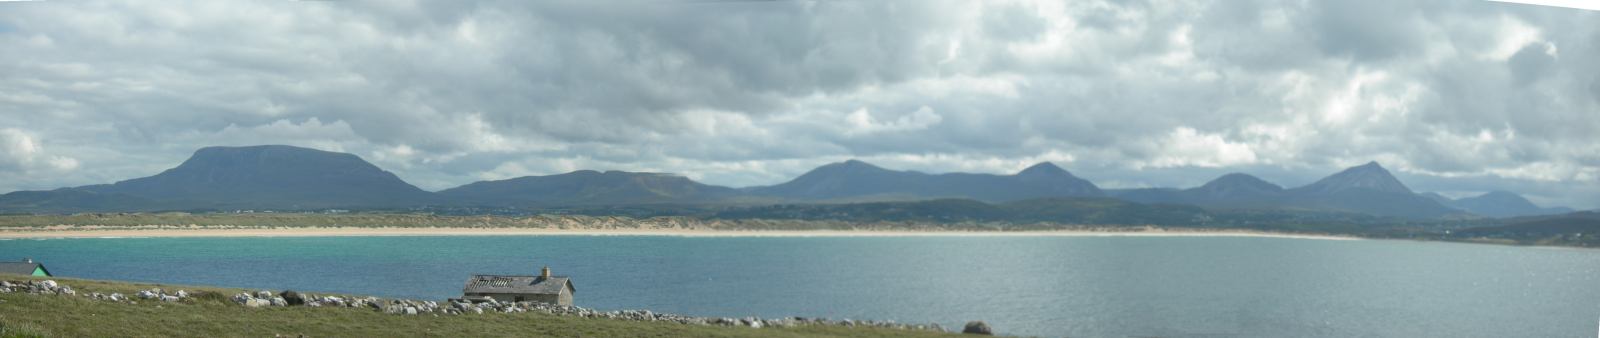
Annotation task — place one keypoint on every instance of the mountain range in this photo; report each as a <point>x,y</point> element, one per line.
<point>293,178</point>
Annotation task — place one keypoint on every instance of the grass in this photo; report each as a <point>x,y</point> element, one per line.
<point>210,314</point>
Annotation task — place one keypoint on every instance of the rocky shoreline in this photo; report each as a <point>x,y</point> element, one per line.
<point>456,307</point>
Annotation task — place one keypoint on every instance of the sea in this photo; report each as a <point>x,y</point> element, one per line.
<point>1079,286</point>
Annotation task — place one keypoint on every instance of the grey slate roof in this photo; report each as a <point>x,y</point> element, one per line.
<point>517,284</point>
<point>19,268</point>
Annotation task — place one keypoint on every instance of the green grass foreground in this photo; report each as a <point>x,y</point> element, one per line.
<point>211,314</point>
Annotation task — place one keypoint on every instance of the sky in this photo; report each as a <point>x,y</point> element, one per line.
<point>1459,97</point>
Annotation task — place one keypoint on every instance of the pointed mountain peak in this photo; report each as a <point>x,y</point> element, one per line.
<point>1043,169</point>
<point>1371,176</point>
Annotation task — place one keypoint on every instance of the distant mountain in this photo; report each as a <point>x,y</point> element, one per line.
<point>1369,177</point>
<point>293,178</point>
<point>1233,190</point>
<point>1502,204</point>
<point>588,187</point>
<point>1024,213</point>
<point>256,177</point>
<point>1366,189</point>
<point>859,181</point>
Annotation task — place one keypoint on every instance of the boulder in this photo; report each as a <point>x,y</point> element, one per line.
<point>257,302</point>
<point>279,301</point>
<point>146,294</point>
<point>242,298</point>
<point>48,284</point>
<point>411,310</point>
<point>977,327</point>
<point>292,298</point>
<point>264,294</point>
<point>116,297</point>
<point>169,298</point>
<point>182,294</point>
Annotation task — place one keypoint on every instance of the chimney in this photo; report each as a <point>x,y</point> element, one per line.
<point>545,273</point>
<point>27,260</point>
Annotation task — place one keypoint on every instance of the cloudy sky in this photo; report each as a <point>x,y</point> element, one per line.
<point>1456,96</point>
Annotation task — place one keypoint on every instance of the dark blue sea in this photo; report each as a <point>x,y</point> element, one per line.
<point>1047,286</point>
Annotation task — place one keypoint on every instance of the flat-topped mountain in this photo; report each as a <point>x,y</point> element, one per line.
<point>588,187</point>
<point>857,180</point>
<point>256,177</point>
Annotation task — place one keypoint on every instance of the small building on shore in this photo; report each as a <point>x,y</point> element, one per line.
<point>542,288</point>
<point>26,267</point>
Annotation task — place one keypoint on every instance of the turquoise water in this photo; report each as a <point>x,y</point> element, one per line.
<point>1049,286</point>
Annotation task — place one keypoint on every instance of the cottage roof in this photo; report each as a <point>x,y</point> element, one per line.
<point>517,284</point>
<point>20,268</point>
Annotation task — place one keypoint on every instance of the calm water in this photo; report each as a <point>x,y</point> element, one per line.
<point>1050,286</point>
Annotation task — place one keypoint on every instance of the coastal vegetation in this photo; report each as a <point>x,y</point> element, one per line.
<point>210,313</point>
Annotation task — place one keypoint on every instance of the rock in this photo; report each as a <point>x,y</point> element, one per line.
<point>65,290</point>
<point>411,310</point>
<point>279,301</point>
<point>242,298</point>
<point>264,294</point>
<point>182,294</point>
<point>292,298</point>
<point>477,310</point>
<point>48,284</point>
<point>169,298</point>
<point>146,294</point>
<point>977,327</point>
<point>116,297</point>
<point>257,302</point>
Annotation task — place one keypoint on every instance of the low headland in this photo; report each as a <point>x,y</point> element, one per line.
<point>67,307</point>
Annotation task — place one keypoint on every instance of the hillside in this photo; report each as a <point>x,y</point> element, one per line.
<point>860,181</point>
<point>1501,204</point>
<point>211,314</point>
<point>588,187</point>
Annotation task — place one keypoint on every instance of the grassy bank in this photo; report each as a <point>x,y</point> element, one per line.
<point>211,314</point>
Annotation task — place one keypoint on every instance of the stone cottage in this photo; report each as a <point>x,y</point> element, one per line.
<point>27,267</point>
<point>542,288</point>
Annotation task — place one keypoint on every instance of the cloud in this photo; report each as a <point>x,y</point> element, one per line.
<point>21,154</point>
<point>1130,93</point>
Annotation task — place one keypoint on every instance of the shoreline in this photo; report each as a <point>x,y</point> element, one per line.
<point>123,231</point>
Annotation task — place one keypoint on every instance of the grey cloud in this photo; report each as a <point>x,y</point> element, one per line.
<point>739,93</point>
